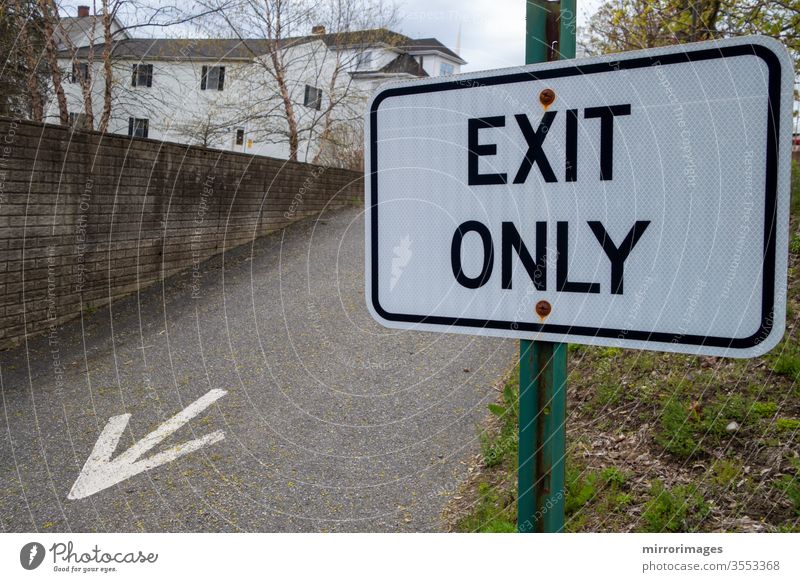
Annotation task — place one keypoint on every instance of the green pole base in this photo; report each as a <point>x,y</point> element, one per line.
<point>542,436</point>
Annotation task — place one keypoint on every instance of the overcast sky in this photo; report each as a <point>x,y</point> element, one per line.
<point>492,31</point>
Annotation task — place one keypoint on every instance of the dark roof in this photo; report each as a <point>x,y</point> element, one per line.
<point>428,44</point>
<point>179,48</point>
<point>234,48</point>
<point>404,63</point>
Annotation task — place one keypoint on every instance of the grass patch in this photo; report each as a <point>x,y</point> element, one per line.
<point>502,445</point>
<point>764,409</point>
<point>687,428</point>
<point>495,512</point>
<point>720,413</point>
<point>607,394</point>
<point>602,492</point>
<point>787,363</point>
<point>644,361</point>
<point>613,476</point>
<point>794,244</point>
<point>681,508</point>
<point>787,425</point>
<point>724,472</point>
<point>789,485</point>
<point>677,427</point>
<point>581,487</point>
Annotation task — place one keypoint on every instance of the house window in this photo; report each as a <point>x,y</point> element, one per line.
<point>313,97</point>
<point>213,78</point>
<point>77,120</point>
<point>138,127</point>
<point>364,60</point>
<point>446,69</point>
<point>142,76</point>
<point>80,71</point>
<point>239,137</point>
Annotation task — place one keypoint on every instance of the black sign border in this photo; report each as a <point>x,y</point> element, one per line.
<point>685,56</point>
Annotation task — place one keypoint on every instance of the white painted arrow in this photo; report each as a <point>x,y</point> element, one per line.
<point>101,472</point>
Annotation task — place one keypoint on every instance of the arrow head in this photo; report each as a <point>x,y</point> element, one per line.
<point>100,471</point>
<point>94,470</point>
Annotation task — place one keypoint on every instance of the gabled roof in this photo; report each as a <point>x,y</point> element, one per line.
<point>402,64</point>
<point>73,27</point>
<point>388,38</point>
<point>361,38</point>
<point>423,45</point>
<point>242,49</point>
<point>181,48</point>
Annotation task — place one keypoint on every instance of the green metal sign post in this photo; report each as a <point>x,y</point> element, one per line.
<point>550,34</point>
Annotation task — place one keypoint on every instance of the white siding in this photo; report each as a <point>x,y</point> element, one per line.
<point>178,110</point>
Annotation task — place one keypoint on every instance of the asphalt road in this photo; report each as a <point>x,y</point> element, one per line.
<point>331,422</point>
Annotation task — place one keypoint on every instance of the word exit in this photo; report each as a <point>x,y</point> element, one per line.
<point>536,156</point>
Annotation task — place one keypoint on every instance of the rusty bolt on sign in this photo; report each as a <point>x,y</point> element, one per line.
<point>543,308</point>
<point>547,96</point>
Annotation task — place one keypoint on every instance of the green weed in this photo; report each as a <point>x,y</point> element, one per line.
<point>790,485</point>
<point>493,513</point>
<point>676,433</point>
<point>496,448</point>
<point>607,394</point>
<point>718,415</point>
<point>725,472</point>
<point>794,245</point>
<point>603,487</point>
<point>622,500</point>
<point>670,510</point>
<point>787,363</point>
<point>613,476</point>
<point>787,425</point>
<point>581,488</point>
<point>764,409</point>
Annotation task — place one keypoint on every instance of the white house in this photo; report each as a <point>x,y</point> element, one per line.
<point>222,93</point>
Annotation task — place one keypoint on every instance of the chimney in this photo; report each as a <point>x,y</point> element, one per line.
<point>83,11</point>
<point>318,29</point>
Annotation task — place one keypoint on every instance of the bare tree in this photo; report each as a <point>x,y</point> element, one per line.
<point>83,71</point>
<point>277,21</point>
<point>202,128</point>
<point>343,146</point>
<point>49,13</point>
<point>148,16</point>
<point>275,33</point>
<point>24,75</point>
<point>32,65</point>
<point>108,70</point>
<point>106,28</point>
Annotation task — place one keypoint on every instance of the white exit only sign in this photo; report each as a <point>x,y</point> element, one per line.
<point>638,200</point>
